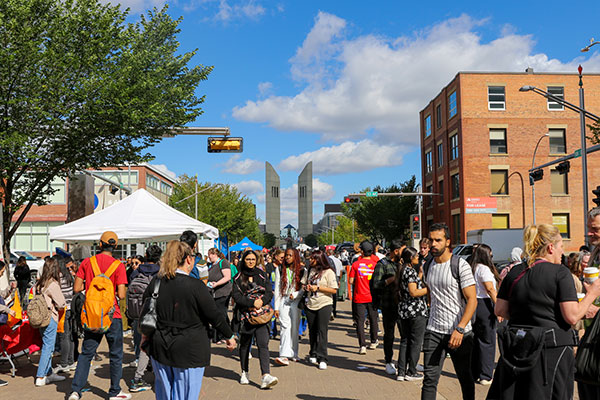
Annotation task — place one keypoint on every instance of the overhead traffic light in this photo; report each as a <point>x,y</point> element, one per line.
<point>349,200</point>
<point>597,194</point>
<point>563,167</point>
<point>225,144</point>
<point>113,189</point>
<point>535,176</point>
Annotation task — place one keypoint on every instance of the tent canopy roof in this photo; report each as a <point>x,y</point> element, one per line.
<point>137,218</point>
<point>244,244</point>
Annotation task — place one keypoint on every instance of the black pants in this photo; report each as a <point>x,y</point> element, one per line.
<point>588,392</point>
<point>359,310</point>
<point>222,304</point>
<point>261,333</point>
<point>484,346</point>
<point>318,325</point>
<point>67,345</point>
<point>390,320</point>
<point>435,347</point>
<point>411,340</point>
<point>335,299</point>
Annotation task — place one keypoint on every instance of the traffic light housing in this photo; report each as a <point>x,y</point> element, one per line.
<point>596,192</point>
<point>225,144</point>
<point>350,200</point>
<point>113,189</point>
<point>563,167</point>
<point>535,176</point>
<point>415,223</point>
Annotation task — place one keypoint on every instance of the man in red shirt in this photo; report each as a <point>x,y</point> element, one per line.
<point>114,335</point>
<point>359,278</point>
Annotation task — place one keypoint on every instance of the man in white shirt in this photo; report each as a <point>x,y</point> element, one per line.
<point>453,302</point>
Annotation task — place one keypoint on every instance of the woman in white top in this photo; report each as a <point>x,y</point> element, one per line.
<point>484,347</point>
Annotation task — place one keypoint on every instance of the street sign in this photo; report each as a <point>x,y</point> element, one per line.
<point>371,194</point>
<point>577,153</point>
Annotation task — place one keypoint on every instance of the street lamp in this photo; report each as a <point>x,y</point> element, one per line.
<point>587,48</point>
<point>196,195</point>
<point>531,180</point>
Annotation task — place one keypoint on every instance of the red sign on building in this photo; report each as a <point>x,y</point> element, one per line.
<point>481,205</point>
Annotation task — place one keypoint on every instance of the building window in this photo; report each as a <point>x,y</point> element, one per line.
<point>561,221</point>
<point>428,162</point>
<point>118,176</point>
<point>498,141</point>
<point>499,181</point>
<point>60,194</point>
<point>496,98</point>
<point>428,126</point>
<point>556,91</point>
<point>302,192</point>
<point>274,191</point>
<point>429,198</point>
<point>455,182</point>
<point>166,188</point>
<point>440,154</point>
<point>559,182</point>
<point>454,147</point>
<point>33,236</point>
<point>438,116</point>
<point>500,221</point>
<point>152,182</point>
<point>441,191</point>
<point>452,108</point>
<point>558,143</point>
<point>456,237</point>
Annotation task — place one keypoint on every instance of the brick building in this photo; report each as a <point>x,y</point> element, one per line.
<point>477,140</point>
<point>33,233</point>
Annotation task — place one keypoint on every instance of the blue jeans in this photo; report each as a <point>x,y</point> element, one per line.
<point>91,341</point>
<point>177,383</point>
<point>49,340</point>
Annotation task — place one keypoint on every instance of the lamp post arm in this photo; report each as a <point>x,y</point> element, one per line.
<point>565,103</point>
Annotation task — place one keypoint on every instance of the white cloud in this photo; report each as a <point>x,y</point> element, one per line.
<point>322,191</point>
<point>347,157</point>
<point>163,168</point>
<point>264,88</point>
<point>136,5</point>
<point>242,167</point>
<point>246,9</point>
<point>354,87</point>
<point>249,187</point>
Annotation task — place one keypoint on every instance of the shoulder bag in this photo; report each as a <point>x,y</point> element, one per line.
<point>149,319</point>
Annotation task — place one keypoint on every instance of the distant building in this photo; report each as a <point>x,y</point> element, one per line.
<point>289,231</point>
<point>329,220</point>
<point>305,201</point>
<point>272,200</point>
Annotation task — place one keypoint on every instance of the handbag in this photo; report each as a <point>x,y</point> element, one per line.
<point>148,318</point>
<point>260,316</point>
<point>587,360</point>
<point>304,297</point>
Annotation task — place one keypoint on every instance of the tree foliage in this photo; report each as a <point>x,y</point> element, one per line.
<point>80,88</point>
<point>311,240</point>
<point>268,240</point>
<point>385,217</point>
<point>221,206</point>
<point>343,232</point>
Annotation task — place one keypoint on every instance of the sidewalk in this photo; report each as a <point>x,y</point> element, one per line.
<point>348,376</point>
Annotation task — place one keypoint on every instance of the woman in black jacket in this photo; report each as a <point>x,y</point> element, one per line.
<point>179,348</point>
<point>22,276</point>
<point>252,290</point>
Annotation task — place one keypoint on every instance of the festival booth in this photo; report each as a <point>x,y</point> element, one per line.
<point>244,244</point>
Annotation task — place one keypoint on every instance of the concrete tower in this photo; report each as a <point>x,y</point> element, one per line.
<point>305,201</point>
<point>272,200</point>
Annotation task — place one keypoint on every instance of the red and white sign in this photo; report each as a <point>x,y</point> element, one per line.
<point>481,205</point>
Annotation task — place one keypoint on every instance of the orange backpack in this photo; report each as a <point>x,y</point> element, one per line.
<point>99,307</point>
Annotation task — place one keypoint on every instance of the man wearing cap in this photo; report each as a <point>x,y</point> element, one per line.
<point>362,302</point>
<point>114,335</point>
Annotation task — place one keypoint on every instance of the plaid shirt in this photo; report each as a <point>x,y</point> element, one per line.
<point>384,269</point>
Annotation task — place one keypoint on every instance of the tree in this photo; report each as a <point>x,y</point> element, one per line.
<point>343,232</point>
<point>81,89</point>
<point>221,206</point>
<point>268,240</point>
<point>311,240</point>
<point>385,217</point>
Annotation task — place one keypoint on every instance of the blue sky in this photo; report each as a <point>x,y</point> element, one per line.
<point>341,83</point>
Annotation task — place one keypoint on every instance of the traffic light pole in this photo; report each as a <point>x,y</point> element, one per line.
<point>583,155</point>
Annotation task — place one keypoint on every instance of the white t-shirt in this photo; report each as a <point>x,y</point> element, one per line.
<point>338,265</point>
<point>483,274</point>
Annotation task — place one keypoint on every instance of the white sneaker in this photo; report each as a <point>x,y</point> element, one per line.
<point>313,360</point>
<point>374,345</point>
<point>250,356</point>
<point>40,381</point>
<point>268,381</point>
<point>54,378</point>
<point>485,382</point>
<point>120,396</point>
<point>74,396</point>
<point>322,365</point>
<point>400,378</point>
<point>244,379</point>
<point>363,350</point>
<point>390,369</point>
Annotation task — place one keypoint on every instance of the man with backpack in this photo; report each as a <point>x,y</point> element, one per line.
<point>101,276</point>
<point>139,281</point>
<point>453,302</point>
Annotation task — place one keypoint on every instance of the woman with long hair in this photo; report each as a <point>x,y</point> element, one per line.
<point>251,291</point>
<point>22,275</point>
<point>49,287</point>
<point>288,290</point>
<point>67,345</point>
<point>484,328</point>
<point>321,284</point>
<point>412,314</point>
<point>179,348</point>
<point>539,301</point>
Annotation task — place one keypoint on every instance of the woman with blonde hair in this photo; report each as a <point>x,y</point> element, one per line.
<point>539,301</point>
<point>180,349</point>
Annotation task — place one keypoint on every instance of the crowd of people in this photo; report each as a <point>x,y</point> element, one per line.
<point>443,306</point>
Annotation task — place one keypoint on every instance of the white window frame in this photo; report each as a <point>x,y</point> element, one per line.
<point>428,162</point>
<point>496,102</point>
<point>557,106</point>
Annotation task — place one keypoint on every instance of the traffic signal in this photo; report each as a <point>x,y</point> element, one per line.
<point>597,194</point>
<point>113,189</point>
<point>563,167</point>
<point>536,175</point>
<point>225,144</point>
<point>415,223</point>
<point>349,200</point>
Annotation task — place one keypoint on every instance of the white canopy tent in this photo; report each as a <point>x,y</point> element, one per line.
<point>138,218</point>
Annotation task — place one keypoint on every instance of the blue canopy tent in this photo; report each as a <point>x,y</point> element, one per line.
<point>244,244</point>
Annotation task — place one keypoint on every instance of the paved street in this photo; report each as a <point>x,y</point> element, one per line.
<point>349,376</point>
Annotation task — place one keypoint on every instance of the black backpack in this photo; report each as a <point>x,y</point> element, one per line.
<point>454,267</point>
<point>135,293</point>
